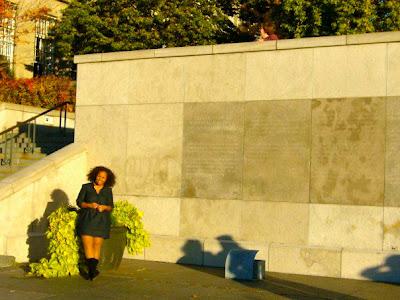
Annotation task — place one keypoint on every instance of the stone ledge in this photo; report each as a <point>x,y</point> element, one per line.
<point>184,51</point>
<point>244,47</point>
<point>87,58</point>
<point>26,176</point>
<point>312,42</point>
<point>372,38</point>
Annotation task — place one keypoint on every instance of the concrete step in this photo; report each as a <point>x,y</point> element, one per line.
<point>7,261</point>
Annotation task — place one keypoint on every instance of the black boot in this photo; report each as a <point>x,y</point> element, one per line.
<point>92,263</point>
<point>90,268</point>
<point>95,271</point>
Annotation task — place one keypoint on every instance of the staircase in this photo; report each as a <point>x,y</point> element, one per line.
<point>26,143</point>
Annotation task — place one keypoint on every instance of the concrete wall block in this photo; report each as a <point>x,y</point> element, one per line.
<point>391,229</point>
<point>90,84</point>
<point>175,250</point>
<point>215,78</point>
<point>275,222</point>
<point>393,76</point>
<point>158,80</point>
<point>279,75</point>
<point>213,218</point>
<point>313,261</point>
<point>160,214</point>
<point>346,226</point>
<point>153,160</point>
<point>109,148</point>
<point>18,247</point>
<point>371,265</point>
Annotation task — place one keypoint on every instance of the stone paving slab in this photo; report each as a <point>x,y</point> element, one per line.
<point>137,279</point>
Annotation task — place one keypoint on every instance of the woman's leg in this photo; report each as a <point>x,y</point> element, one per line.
<point>97,243</point>
<point>88,245</point>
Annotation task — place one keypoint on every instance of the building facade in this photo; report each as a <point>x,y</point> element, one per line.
<point>24,36</point>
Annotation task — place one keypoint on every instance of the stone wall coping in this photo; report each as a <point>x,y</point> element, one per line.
<point>32,109</point>
<point>309,42</point>
<point>17,181</point>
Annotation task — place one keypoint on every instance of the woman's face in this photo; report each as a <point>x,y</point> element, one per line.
<point>101,178</point>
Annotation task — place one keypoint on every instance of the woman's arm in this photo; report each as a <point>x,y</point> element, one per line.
<point>80,201</point>
<point>89,205</point>
<point>110,203</point>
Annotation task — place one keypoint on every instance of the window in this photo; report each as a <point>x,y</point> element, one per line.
<point>7,35</point>
<point>44,49</point>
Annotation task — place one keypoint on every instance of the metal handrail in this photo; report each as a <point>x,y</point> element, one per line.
<point>8,133</point>
<point>35,117</point>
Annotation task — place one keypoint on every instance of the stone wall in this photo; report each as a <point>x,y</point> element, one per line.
<point>285,146</point>
<point>11,113</point>
<point>29,196</point>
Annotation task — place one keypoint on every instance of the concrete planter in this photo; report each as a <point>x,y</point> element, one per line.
<point>113,249</point>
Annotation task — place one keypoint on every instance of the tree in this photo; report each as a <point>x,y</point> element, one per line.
<point>300,18</point>
<point>116,25</point>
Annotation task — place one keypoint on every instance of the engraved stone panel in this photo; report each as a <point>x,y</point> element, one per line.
<point>154,152</point>
<point>212,152</point>
<point>277,151</point>
<point>392,168</point>
<point>348,143</point>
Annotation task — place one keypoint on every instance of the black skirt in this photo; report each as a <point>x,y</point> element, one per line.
<point>90,221</point>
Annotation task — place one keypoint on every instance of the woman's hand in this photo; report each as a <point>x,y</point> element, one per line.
<point>101,208</point>
<point>94,205</point>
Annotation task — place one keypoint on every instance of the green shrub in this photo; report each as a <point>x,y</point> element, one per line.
<point>65,246</point>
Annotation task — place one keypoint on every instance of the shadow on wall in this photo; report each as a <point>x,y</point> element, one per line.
<point>271,284</point>
<point>389,271</point>
<point>37,241</point>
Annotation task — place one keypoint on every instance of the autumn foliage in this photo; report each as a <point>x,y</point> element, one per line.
<point>46,91</point>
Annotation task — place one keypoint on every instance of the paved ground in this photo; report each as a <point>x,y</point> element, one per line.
<point>150,280</point>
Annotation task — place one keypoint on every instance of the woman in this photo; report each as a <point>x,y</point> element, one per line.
<point>94,221</point>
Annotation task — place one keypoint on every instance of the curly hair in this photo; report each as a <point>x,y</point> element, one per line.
<point>110,182</point>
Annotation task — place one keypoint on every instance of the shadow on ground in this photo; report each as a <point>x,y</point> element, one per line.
<point>280,287</point>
